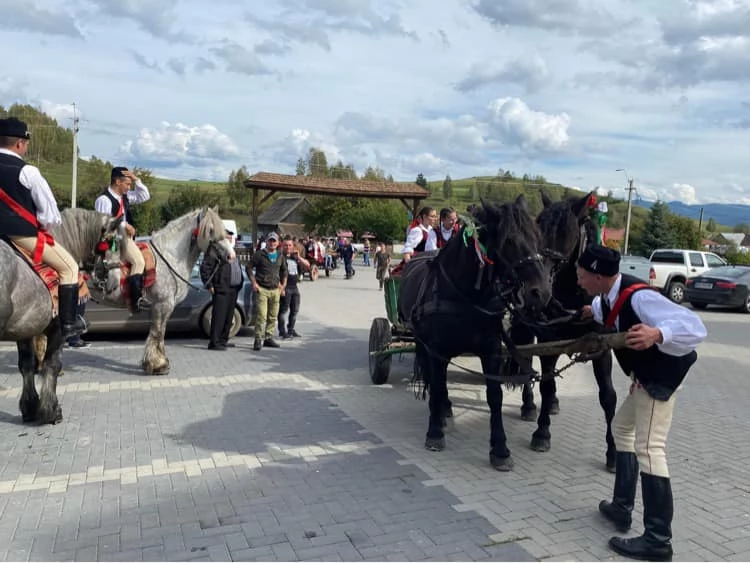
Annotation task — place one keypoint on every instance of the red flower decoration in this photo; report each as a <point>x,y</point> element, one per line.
<point>195,233</point>
<point>592,201</point>
<point>102,247</point>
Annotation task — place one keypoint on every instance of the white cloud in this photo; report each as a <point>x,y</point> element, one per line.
<point>529,72</point>
<point>171,145</point>
<point>534,131</point>
<point>28,16</point>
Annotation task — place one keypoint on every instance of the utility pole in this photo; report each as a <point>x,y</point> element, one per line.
<point>700,221</point>
<point>75,159</point>
<point>630,189</point>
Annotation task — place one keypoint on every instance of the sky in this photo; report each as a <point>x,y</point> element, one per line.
<point>569,89</point>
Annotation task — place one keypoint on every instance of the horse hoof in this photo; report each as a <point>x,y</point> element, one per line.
<point>554,409</point>
<point>28,417</point>
<point>529,415</point>
<point>435,444</point>
<point>540,444</point>
<point>502,463</point>
<point>51,417</point>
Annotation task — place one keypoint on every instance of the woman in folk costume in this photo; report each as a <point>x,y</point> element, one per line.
<point>421,237</point>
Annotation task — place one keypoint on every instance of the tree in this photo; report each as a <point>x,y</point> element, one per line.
<point>374,174</point>
<point>657,233</point>
<point>684,232</point>
<point>447,187</point>
<point>186,198</point>
<point>317,163</point>
<point>742,228</point>
<point>711,225</point>
<point>421,180</point>
<point>239,195</point>
<point>301,167</point>
<point>347,172</point>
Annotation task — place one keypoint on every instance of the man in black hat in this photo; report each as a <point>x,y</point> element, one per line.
<point>28,210</point>
<point>661,337</point>
<point>224,280</point>
<point>116,201</point>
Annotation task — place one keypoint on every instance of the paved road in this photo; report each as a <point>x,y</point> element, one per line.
<point>291,454</point>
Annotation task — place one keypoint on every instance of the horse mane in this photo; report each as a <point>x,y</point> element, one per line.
<point>80,231</point>
<point>210,227</point>
<point>509,222</point>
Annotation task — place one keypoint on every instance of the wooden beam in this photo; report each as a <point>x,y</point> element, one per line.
<point>406,204</point>
<point>267,197</point>
<point>255,217</point>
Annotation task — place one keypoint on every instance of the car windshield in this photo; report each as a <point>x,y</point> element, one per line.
<point>196,273</point>
<point>728,271</point>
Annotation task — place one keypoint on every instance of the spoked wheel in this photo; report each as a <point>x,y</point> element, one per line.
<point>380,340</point>
<point>313,272</point>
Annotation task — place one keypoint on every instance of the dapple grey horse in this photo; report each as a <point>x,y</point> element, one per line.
<point>26,310</point>
<point>176,248</point>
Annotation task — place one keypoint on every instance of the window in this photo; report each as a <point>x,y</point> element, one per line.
<point>696,259</point>
<point>668,257</point>
<point>714,261</point>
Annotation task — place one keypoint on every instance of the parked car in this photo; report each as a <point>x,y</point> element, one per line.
<point>728,286</point>
<point>193,312</point>
<point>671,267</point>
<point>637,266</point>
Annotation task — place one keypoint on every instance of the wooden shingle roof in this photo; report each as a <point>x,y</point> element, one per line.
<point>335,186</point>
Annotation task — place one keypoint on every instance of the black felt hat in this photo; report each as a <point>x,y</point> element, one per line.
<point>13,127</point>
<point>600,260</point>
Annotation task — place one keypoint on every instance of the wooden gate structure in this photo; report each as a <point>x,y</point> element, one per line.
<point>408,193</point>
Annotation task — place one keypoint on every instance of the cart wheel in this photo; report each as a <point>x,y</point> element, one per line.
<point>380,340</point>
<point>313,272</point>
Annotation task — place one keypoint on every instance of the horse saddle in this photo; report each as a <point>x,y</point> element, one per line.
<point>149,274</point>
<point>49,276</point>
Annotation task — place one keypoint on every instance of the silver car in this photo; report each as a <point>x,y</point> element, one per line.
<point>193,312</point>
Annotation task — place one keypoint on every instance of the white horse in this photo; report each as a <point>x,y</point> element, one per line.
<point>176,248</point>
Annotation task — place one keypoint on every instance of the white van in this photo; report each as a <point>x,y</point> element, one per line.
<point>231,225</point>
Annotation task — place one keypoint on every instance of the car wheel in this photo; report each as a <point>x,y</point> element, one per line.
<point>233,330</point>
<point>746,307</point>
<point>700,306</point>
<point>676,292</point>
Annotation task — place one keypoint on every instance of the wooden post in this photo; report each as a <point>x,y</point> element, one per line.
<point>255,217</point>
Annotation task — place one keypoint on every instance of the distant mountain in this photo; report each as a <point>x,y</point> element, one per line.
<point>729,214</point>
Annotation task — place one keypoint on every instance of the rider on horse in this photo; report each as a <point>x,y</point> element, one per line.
<point>116,201</point>
<point>448,228</point>
<point>28,209</point>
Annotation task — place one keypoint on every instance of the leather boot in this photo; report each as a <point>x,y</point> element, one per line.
<point>619,511</point>
<point>135,285</point>
<point>72,324</point>
<point>658,508</point>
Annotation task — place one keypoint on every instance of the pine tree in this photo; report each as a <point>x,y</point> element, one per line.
<point>421,180</point>
<point>656,232</point>
<point>447,187</point>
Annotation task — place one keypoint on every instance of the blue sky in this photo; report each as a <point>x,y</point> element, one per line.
<point>571,89</point>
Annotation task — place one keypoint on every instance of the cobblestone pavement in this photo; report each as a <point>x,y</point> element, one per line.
<point>292,454</point>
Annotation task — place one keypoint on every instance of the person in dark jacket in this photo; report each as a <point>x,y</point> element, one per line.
<point>224,280</point>
<point>267,273</point>
<point>346,251</point>
<point>290,296</point>
<point>661,341</point>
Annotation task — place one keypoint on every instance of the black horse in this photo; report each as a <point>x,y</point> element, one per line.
<point>455,302</point>
<point>566,229</point>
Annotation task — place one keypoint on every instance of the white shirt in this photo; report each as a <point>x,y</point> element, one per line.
<point>682,330</point>
<point>447,234</point>
<point>135,196</point>
<point>31,178</point>
<point>414,238</point>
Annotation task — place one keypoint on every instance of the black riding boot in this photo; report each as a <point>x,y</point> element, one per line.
<point>72,324</point>
<point>135,285</point>
<point>626,479</point>
<point>658,508</point>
